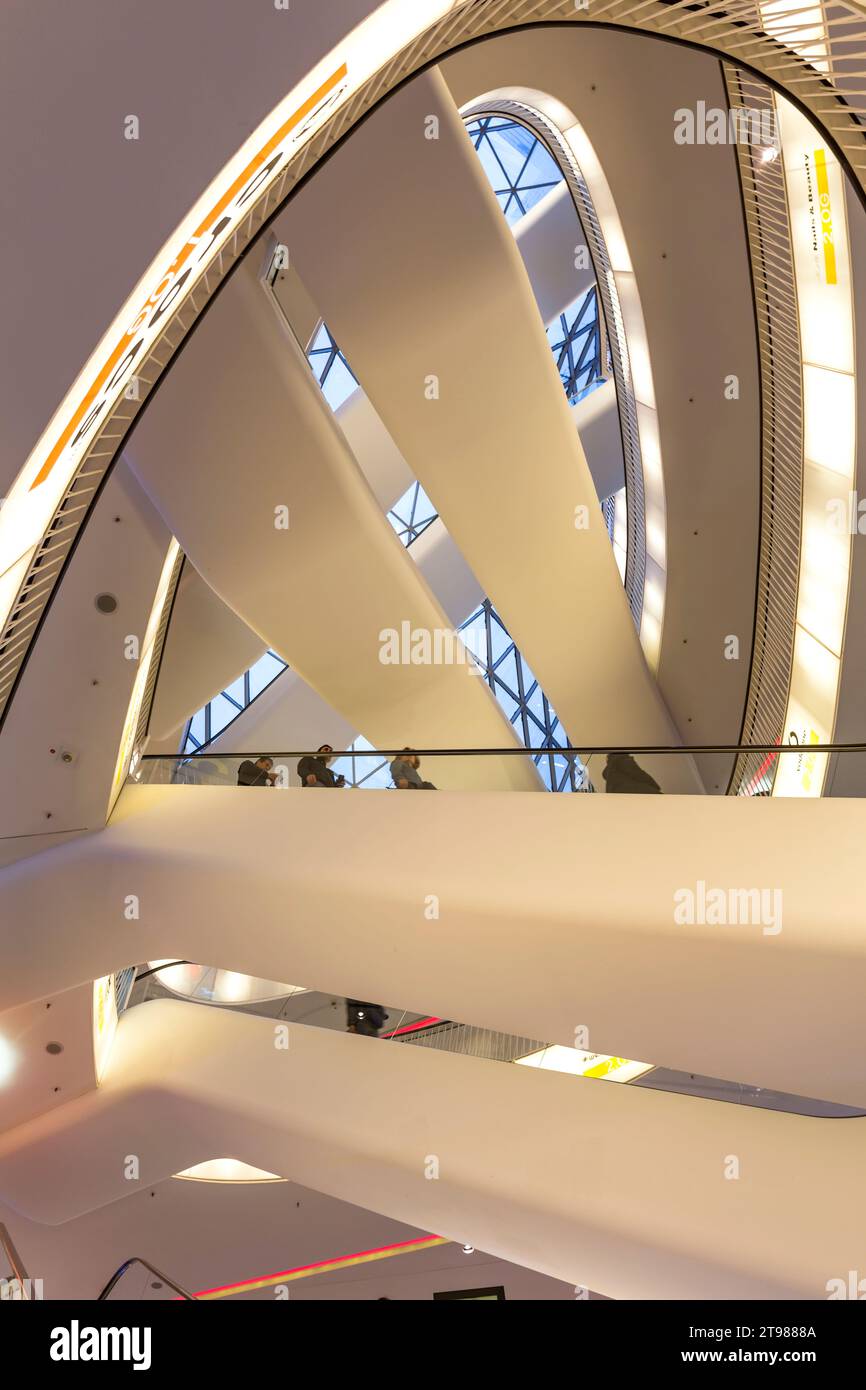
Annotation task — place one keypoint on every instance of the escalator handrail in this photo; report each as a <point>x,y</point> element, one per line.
<point>19,1273</point>
<point>137,1260</point>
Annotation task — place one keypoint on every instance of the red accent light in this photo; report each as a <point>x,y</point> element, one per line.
<point>412,1027</point>
<point>405,1245</point>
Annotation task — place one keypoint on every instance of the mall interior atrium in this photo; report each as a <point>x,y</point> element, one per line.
<point>447,395</point>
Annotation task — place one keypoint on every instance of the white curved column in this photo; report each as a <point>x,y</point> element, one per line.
<point>548,237</point>
<point>207,647</point>
<point>555,936</point>
<point>355,1117</point>
<point>596,419</point>
<point>291,715</point>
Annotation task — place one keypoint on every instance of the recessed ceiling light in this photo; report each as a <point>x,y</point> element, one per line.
<point>468,1249</point>
<point>227,1170</point>
<point>105,603</point>
<point>54,1048</point>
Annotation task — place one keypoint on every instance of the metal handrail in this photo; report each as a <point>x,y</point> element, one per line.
<point>768,229</point>
<point>19,1273</point>
<point>568,751</point>
<point>137,1260</point>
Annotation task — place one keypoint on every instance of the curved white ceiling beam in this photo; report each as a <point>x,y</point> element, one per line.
<point>291,715</point>
<point>548,238</point>
<point>358,1118</point>
<point>243,458</point>
<point>430,302</point>
<point>694,279</point>
<point>555,939</point>
<point>207,647</point>
<point>336,91</point>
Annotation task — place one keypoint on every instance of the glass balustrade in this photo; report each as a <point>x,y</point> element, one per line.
<point>806,768</point>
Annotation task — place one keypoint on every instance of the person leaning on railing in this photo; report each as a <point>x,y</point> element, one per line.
<point>623,774</point>
<point>405,774</point>
<point>258,773</point>
<point>315,772</point>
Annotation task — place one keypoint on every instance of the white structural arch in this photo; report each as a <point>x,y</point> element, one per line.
<point>51,495</point>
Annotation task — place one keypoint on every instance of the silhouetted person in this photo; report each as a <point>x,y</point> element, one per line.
<point>258,773</point>
<point>623,774</point>
<point>405,774</point>
<point>366,1019</point>
<point>315,772</point>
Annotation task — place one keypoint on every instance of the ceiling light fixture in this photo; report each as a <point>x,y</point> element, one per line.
<point>8,1059</point>
<point>227,1170</point>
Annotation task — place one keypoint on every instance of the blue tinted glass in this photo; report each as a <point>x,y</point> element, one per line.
<point>530,196</point>
<point>541,167</point>
<point>506,671</point>
<point>266,669</point>
<point>511,707</point>
<point>513,146</point>
<point>222,712</point>
<point>235,691</point>
<point>500,641</point>
<point>498,179</point>
<point>338,384</point>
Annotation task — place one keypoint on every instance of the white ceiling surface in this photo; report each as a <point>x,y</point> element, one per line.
<point>415,283</point>
<point>207,647</point>
<point>539,930</point>
<point>245,414</point>
<point>206,1236</point>
<point>612,1187</point>
<point>41,1080</point>
<point>69,76</point>
<point>681,212</point>
<point>76,686</point>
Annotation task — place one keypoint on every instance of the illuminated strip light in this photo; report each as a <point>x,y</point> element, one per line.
<point>575,1062</point>
<point>413,1027</point>
<point>180,267</point>
<point>104,1023</point>
<point>815,186</point>
<point>385,1252</point>
<point>800,28</point>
